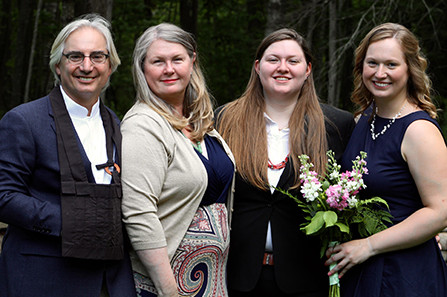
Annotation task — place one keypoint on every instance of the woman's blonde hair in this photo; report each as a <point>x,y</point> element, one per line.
<point>242,122</point>
<point>419,84</point>
<point>197,106</point>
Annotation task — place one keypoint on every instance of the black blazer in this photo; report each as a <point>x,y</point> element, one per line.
<point>297,264</point>
<point>30,185</point>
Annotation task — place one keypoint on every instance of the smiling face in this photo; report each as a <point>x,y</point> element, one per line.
<point>282,70</point>
<point>385,72</point>
<point>168,69</point>
<point>83,83</point>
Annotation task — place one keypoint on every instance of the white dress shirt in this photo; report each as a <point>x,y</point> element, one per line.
<point>278,149</point>
<point>91,132</point>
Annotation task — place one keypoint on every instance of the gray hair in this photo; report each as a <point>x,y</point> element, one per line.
<point>94,21</point>
<point>164,31</point>
<point>197,102</point>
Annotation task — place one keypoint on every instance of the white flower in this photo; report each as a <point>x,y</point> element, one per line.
<point>310,190</point>
<point>356,174</point>
<point>353,186</point>
<point>334,175</point>
<point>362,183</point>
<point>352,201</point>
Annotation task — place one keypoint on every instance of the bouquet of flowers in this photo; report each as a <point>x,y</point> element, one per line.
<point>333,208</point>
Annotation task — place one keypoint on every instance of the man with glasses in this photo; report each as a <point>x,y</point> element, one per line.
<point>60,188</point>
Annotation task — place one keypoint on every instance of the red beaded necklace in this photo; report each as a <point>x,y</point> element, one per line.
<point>280,165</point>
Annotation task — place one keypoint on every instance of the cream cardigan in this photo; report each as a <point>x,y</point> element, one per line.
<point>163,181</point>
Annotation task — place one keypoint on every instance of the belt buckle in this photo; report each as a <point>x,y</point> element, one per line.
<point>268,259</point>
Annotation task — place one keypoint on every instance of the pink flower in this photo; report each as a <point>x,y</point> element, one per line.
<point>337,197</point>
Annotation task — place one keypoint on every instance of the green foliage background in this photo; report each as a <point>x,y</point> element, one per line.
<point>227,32</point>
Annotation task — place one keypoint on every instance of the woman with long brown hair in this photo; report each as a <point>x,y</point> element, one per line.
<point>278,117</point>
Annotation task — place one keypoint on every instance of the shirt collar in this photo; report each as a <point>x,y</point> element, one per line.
<point>77,110</point>
<point>271,124</point>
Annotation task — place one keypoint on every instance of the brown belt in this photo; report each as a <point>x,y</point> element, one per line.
<point>268,259</point>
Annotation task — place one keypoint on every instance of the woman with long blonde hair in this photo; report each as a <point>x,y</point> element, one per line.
<point>177,172</point>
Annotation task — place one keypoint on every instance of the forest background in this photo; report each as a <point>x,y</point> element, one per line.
<point>228,33</point>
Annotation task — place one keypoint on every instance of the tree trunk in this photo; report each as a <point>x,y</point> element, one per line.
<point>101,7</point>
<point>3,227</point>
<point>148,6</point>
<point>31,56</point>
<point>21,54</point>
<point>255,25</point>
<point>5,52</point>
<point>311,22</point>
<point>332,71</point>
<point>340,59</point>
<point>188,15</point>
<point>274,16</point>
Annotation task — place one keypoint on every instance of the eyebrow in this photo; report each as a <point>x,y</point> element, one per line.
<point>286,56</point>
<point>79,52</point>
<point>162,55</point>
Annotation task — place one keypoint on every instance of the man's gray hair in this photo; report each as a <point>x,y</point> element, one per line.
<point>94,21</point>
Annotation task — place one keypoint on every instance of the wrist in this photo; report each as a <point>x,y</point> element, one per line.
<point>372,251</point>
<point>168,292</point>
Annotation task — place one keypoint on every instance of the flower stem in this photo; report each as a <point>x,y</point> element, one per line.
<point>334,291</point>
<point>334,282</point>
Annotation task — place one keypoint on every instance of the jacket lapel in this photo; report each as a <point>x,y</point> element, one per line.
<point>54,93</point>
<point>286,179</point>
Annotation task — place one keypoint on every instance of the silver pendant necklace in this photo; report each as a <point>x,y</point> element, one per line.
<point>387,126</point>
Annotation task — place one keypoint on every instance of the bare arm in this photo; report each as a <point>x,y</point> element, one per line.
<point>156,262</point>
<point>426,154</point>
<point>144,164</point>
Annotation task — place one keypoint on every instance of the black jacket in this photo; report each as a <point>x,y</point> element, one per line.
<point>297,264</point>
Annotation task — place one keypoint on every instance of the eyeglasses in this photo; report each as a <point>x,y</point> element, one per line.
<point>78,57</point>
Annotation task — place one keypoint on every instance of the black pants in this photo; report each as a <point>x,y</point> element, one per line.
<point>267,287</point>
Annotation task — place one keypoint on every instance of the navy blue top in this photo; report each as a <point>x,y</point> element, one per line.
<point>417,271</point>
<point>220,171</point>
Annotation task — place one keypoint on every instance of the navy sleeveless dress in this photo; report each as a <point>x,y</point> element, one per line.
<point>418,271</point>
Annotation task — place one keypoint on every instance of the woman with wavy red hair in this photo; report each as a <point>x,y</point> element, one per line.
<point>407,163</point>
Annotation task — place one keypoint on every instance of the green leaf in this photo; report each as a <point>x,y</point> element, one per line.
<point>325,185</point>
<point>343,227</point>
<point>330,218</point>
<point>387,218</point>
<point>315,224</point>
<point>376,200</point>
<point>370,225</point>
